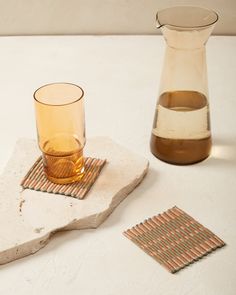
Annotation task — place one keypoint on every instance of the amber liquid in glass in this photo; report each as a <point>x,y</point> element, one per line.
<point>181,130</point>
<point>63,159</point>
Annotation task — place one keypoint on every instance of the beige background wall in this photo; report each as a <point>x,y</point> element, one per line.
<point>27,17</point>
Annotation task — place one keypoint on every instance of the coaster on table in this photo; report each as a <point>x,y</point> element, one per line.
<point>174,239</point>
<point>36,179</point>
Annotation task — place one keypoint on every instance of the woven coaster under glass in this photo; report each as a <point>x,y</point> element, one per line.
<point>36,179</point>
<point>174,239</point>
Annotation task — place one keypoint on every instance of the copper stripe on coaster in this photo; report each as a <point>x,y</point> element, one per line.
<point>35,179</point>
<point>174,239</point>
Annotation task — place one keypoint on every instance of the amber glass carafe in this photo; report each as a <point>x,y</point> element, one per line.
<point>181,129</point>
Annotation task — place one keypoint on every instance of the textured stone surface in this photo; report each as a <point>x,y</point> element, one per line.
<point>28,218</point>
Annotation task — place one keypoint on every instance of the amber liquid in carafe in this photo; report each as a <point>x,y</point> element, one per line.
<point>181,129</point>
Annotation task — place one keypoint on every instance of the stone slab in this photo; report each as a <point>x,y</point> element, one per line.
<point>29,218</point>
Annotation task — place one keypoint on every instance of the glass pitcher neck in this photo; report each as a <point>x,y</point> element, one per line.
<point>186,39</point>
<point>186,27</point>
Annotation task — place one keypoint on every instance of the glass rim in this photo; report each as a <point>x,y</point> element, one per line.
<point>58,83</point>
<point>187,27</point>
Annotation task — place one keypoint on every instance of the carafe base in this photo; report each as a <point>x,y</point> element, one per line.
<point>180,151</point>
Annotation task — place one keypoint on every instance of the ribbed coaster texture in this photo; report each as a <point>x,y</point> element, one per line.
<point>174,239</point>
<point>35,179</point>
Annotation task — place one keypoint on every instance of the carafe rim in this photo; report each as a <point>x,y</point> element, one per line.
<point>160,23</point>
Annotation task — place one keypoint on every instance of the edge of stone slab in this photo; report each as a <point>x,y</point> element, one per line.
<point>98,219</point>
<point>16,253</point>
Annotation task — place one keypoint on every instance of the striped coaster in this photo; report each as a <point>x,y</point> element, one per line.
<point>174,239</point>
<point>35,179</point>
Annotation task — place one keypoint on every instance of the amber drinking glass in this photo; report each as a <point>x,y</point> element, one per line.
<point>61,130</point>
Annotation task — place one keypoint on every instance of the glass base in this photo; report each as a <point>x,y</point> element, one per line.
<point>64,169</point>
<point>65,180</point>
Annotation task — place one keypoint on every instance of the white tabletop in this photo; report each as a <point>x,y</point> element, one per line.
<point>120,76</point>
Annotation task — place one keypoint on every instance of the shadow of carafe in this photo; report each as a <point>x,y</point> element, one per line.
<point>223,153</point>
